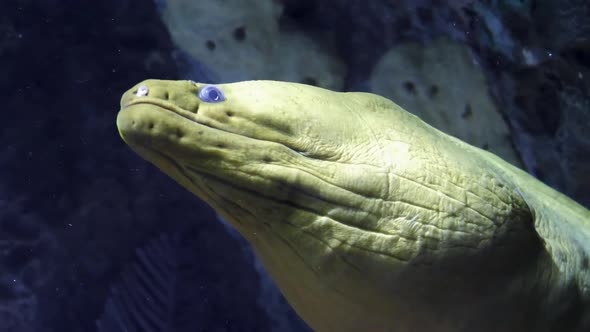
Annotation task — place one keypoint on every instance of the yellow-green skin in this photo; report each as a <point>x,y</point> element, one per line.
<point>367,218</point>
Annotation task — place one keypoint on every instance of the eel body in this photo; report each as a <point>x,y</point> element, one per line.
<point>367,218</point>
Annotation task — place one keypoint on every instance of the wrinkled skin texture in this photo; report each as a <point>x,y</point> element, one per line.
<point>367,218</point>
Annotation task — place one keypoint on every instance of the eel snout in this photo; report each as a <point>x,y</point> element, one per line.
<point>204,106</point>
<point>263,111</point>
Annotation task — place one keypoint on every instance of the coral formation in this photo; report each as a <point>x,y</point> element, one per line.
<point>242,40</point>
<point>442,83</point>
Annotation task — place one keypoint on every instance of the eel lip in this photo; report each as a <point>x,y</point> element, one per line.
<point>149,101</point>
<point>177,111</point>
<point>163,105</point>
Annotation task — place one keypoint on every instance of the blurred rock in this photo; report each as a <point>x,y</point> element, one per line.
<point>442,83</point>
<point>536,56</point>
<point>242,40</point>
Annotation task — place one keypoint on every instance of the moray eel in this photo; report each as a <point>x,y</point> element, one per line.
<point>367,218</point>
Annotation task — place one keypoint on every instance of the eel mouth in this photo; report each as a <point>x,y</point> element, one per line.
<point>167,106</point>
<point>163,126</point>
<point>197,155</point>
<point>197,119</point>
<point>159,103</point>
<point>194,151</point>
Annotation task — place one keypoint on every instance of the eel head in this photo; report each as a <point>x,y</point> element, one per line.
<point>366,217</point>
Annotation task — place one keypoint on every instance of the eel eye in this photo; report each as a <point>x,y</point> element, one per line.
<point>211,94</point>
<point>142,91</point>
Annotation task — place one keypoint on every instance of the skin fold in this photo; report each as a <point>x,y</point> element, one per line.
<point>367,218</point>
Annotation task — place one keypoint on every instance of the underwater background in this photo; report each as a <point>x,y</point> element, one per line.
<point>88,230</point>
